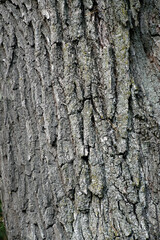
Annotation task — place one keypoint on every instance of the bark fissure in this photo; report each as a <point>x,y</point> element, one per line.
<point>80,117</point>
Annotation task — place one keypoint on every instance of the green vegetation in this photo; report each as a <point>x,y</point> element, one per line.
<point>2,226</point>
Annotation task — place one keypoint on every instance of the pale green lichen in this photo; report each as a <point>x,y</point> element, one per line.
<point>121,11</point>
<point>136,182</point>
<point>97,182</point>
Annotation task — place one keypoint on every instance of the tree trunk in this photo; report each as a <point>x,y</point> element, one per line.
<point>80,119</point>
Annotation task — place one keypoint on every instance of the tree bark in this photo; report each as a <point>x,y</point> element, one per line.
<point>80,117</point>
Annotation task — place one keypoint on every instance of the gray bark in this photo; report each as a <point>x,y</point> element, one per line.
<point>80,117</point>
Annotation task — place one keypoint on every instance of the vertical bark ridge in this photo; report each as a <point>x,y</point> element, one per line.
<point>80,119</point>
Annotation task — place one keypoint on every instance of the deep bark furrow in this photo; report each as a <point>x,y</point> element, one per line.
<point>80,119</point>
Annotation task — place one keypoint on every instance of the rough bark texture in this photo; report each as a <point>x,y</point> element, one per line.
<point>80,117</point>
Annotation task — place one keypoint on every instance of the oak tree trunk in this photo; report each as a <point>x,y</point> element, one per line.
<point>79,119</point>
